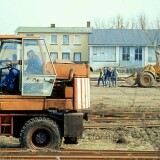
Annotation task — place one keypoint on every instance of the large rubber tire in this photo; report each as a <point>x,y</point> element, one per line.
<point>40,133</point>
<point>145,79</point>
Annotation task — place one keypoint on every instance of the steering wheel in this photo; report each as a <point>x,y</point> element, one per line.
<point>3,67</point>
<point>3,63</point>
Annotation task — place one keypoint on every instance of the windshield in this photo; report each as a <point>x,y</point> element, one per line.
<point>10,50</point>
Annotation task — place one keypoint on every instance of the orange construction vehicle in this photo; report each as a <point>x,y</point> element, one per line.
<point>41,101</point>
<point>147,76</point>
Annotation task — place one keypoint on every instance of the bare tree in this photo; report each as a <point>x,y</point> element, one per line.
<point>143,22</point>
<point>158,23</point>
<point>99,24</point>
<point>133,23</point>
<point>115,23</point>
<point>118,22</point>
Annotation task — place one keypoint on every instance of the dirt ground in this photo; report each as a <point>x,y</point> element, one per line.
<point>120,98</point>
<point>123,98</point>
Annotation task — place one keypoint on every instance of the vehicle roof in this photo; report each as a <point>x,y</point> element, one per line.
<point>16,37</point>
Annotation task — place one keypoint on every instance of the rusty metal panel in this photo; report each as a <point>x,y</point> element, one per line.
<point>63,70</point>
<point>6,125</point>
<point>66,104</point>
<point>73,124</point>
<point>15,102</point>
<point>81,93</point>
<point>21,104</point>
<point>68,92</point>
<point>33,103</point>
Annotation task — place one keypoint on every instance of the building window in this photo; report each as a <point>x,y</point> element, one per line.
<point>125,53</point>
<point>152,54</point>
<point>42,36</point>
<point>53,39</point>
<point>77,56</point>
<point>66,55</point>
<point>104,54</point>
<point>77,39</point>
<point>138,54</point>
<point>65,39</point>
<point>30,34</point>
<point>54,55</point>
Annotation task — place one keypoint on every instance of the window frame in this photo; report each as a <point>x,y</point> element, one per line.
<point>138,54</point>
<point>53,42</point>
<point>125,53</point>
<point>66,53</point>
<point>77,41</point>
<point>64,39</point>
<point>80,56</point>
<point>56,53</point>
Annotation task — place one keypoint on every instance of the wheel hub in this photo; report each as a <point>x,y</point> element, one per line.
<point>146,79</point>
<point>41,138</point>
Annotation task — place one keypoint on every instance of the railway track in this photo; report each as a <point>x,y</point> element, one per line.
<point>110,119</point>
<point>17,154</point>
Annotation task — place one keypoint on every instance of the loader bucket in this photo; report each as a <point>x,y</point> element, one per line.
<point>132,79</point>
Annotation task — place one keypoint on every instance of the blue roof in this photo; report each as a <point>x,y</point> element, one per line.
<point>129,37</point>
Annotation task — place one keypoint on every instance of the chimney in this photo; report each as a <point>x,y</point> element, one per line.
<point>88,24</point>
<point>52,25</point>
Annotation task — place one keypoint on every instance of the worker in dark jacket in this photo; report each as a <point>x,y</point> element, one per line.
<point>114,76</point>
<point>108,77</point>
<point>105,76</point>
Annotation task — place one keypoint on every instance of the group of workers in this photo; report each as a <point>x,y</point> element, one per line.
<point>108,76</point>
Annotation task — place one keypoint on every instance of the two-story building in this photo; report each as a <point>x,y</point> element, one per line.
<point>63,42</point>
<point>123,47</point>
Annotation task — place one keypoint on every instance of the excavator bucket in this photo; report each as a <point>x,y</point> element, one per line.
<point>132,79</point>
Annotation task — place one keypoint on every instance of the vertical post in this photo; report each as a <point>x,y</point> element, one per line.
<point>0,125</point>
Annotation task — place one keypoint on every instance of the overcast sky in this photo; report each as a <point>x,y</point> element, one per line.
<point>70,13</point>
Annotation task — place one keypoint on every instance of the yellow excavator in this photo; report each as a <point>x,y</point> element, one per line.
<point>146,77</point>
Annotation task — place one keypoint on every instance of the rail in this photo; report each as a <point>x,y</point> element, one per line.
<point>65,154</point>
<point>111,119</point>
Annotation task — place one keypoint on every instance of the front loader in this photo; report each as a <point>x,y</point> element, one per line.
<point>147,76</point>
<point>43,104</point>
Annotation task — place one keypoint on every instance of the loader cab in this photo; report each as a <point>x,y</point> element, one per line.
<point>30,58</point>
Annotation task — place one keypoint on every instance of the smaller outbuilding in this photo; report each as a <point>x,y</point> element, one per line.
<point>123,47</point>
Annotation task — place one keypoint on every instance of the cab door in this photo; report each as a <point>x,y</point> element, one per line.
<point>37,80</point>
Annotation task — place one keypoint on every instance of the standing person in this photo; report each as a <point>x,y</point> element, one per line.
<point>100,77</point>
<point>114,76</point>
<point>105,76</point>
<point>109,76</point>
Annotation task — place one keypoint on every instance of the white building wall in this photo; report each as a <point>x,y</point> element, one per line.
<point>145,56</point>
<point>117,57</point>
<point>100,64</point>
